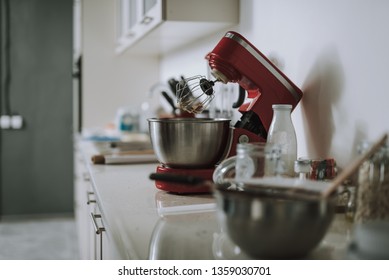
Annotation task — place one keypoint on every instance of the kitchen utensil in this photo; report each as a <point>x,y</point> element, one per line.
<point>170,101</point>
<point>266,222</point>
<point>195,93</point>
<point>265,225</point>
<point>353,167</point>
<point>135,156</point>
<point>173,85</point>
<point>234,59</point>
<point>189,146</point>
<point>190,142</point>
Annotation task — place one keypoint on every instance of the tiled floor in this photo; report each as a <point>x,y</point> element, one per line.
<point>38,239</point>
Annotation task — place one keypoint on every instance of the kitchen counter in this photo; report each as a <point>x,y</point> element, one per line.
<point>143,222</point>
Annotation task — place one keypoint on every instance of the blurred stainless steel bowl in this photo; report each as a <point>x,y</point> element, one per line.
<point>266,225</point>
<point>190,142</point>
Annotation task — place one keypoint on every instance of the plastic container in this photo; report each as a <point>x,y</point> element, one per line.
<point>127,120</point>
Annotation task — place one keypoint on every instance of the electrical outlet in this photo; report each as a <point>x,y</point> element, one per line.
<point>16,122</point>
<point>11,122</point>
<point>5,122</point>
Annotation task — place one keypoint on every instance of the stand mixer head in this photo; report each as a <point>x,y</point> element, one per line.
<point>236,60</point>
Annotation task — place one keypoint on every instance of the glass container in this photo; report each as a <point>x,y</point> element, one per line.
<point>372,201</point>
<point>282,132</point>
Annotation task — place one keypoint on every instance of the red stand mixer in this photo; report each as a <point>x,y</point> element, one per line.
<point>235,60</point>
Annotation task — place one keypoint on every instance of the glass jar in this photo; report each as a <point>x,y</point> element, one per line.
<point>323,169</point>
<point>281,132</point>
<point>256,160</point>
<point>252,160</point>
<point>372,201</point>
<point>315,169</point>
<point>351,203</point>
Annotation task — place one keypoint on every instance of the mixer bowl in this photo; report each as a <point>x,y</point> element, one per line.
<point>190,142</point>
<point>268,226</point>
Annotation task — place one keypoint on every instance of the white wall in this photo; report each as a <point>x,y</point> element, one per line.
<point>109,80</point>
<point>335,51</point>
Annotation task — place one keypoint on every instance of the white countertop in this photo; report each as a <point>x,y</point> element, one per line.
<point>146,223</point>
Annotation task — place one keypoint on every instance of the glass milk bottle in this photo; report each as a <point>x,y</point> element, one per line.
<point>282,132</point>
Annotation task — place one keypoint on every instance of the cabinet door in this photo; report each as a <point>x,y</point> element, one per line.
<point>135,18</point>
<point>98,234</point>
<point>82,199</point>
<point>149,5</point>
<point>92,250</point>
<point>128,15</point>
<point>151,11</point>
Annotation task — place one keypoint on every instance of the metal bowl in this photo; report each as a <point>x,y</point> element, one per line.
<point>190,142</point>
<point>273,226</point>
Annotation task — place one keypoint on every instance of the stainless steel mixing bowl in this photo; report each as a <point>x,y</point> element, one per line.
<point>266,225</point>
<point>190,142</point>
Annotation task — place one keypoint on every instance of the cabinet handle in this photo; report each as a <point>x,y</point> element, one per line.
<point>146,20</point>
<point>89,200</point>
<point>98,229</point>
<point>85,176</point>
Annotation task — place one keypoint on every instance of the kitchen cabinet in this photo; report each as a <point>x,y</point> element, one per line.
<point>93,240</point>
<point>98,239</point>
<point>135,19</point>
<point>160,26</point>
<point>142,222</point>
<point>82,191</point>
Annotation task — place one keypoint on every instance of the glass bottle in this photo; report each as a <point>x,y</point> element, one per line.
<point>372,200</point>
<point>282,132</point>
<point>351,204</point>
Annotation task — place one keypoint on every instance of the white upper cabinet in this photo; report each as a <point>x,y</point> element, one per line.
<point>160,26</point>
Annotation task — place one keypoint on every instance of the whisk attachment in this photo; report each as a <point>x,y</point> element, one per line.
<point>194,94</point>
<point>207,86</point>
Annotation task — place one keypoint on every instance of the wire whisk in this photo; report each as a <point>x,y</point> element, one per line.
<point>194,94</point>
